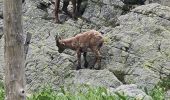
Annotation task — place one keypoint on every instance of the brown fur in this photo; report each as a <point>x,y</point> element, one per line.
<point>82,43</point>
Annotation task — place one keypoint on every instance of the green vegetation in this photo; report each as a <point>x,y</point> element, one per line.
<point>165,83</point>
<point>85,92</point>
<point>2,92</point>
<point>157,93</point>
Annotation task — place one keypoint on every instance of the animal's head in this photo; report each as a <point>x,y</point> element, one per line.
<point>59,44</point>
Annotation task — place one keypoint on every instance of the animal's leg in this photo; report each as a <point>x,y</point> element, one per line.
<point>79,60</point>
<point>74,9</point>
<point>78,7</point>
<point>98,58</point>
<point>65,5</point>
<point>85,60</point>
<point>56,10</point>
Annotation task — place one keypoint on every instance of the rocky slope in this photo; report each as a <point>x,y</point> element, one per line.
<point>136,49</point>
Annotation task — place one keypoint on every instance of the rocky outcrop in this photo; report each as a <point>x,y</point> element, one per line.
<point>103,12</point>
<point>132,91</point>
<point>167,96</point>
<point>136,49</point>
<point>139,46</point>
<point>162,2</point>
<point>102,78</point>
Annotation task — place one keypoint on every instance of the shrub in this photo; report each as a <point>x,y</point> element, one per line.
<point>165,83</point>
<point>2,92</point>
<point>84,92</point>
<point>157,93</point>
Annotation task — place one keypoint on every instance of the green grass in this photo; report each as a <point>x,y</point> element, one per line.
<point>165,83</point>
<point>2,92</point>
<point>84,92</point>
<point>157,93</point>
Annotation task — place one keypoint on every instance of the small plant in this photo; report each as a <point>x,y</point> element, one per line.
<point>45,93</point>
<point>157,93</point>
<point>84,92</point>
<point>2,92</point>
<point>165,83</point>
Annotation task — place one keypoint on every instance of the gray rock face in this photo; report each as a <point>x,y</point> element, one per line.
<point>162,2</point>
<point>94,77</point>
<point>132,91</point>
<point>103,12</point>
<point>137,51</point>
<point>140,45</point>
<point>167,95</point>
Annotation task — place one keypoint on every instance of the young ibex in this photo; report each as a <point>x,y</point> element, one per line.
<point>76,7</point>
<point>81,43</point>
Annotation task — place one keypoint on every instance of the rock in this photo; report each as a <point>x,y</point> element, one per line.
<point>167,95</point>
<point>102,78</point>
<point>132,91</point>
<point>162,2</point>
<point>136,51</point>
<point>139,46</point>
<point>103,12</point>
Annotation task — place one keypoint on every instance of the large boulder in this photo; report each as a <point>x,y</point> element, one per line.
<point>103,12</point>
<point>132,90</point>
<point>162,2</point>
<point>102,78</point>
<point>167,96</point>
<point>140,45</point>
<point>136,51</point>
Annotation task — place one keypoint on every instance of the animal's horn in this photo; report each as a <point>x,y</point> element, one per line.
<point>101,32</point>
<point>56,37</point>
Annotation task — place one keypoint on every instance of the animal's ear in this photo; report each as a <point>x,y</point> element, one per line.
<point>63,44</point>
<point>59,38</point>
<point>101,32</point>
<point>56,37</point>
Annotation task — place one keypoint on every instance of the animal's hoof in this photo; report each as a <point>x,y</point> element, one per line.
<point>97,68</point>
<point>78,14</point>
<point>86,65</point>
<point>74,18</point>
<point>57,22</point>
<point>78,68</point>
<point>91,67</point>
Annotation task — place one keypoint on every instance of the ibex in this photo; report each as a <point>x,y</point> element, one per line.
<point>91,40</point>
<point>76,7</point>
